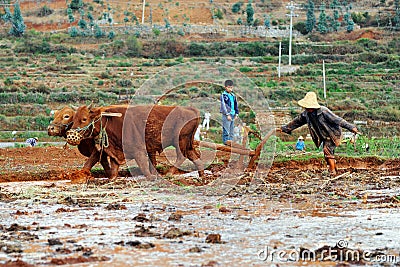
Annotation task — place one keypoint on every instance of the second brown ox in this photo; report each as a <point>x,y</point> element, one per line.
<point>139,133</point>
<point>61,123</point>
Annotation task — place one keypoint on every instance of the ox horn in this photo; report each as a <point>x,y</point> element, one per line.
<point>90,106</point>
<point>111,114</point>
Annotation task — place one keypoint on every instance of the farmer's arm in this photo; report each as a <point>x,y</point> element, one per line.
<point>334,119</point>
<point>294,124</point>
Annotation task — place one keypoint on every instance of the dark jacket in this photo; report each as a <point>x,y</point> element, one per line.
<point>328,126</point>
<point>226,104</point>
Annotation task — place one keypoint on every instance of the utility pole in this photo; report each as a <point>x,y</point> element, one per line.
<point>144,4</point>
<point>279,63</point>
<point>324,80</point>
<point>291,7</point>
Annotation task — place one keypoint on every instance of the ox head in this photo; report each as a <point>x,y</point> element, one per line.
<point>62,122</point>
<point>83,124</point>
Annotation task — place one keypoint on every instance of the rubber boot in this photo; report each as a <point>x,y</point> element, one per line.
<point>332,166</point>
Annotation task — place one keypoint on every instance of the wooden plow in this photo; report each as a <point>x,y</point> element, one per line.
<point>239,149</point>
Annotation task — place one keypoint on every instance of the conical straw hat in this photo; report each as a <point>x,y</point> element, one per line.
<point>301,137</point>
<point>309,101</point>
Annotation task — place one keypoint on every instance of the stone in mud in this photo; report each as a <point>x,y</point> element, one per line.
<point>195,249</point>
<point>15,227</point>
<point>224,210</point>
<point>138,244</point>
<point>145,232</point>
<point>214,239</point>
<point>17,263</point>
<point>10,248</point>
<point>141,217</point>
<point>115,206</point>
<point>175,232</point>
<point>210,264</point>
<point>54,241</point>
<point>175,217</point>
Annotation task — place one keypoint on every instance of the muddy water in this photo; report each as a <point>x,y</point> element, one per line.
<point>98,221</point>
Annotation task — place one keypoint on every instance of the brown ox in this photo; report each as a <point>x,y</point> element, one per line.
<point>61,123</point>
<point>139,133</point>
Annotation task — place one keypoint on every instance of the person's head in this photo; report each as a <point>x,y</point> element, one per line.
<point>37,139</point>
<point>228,85</point>
<point>309,102</point>
<point>301,138</point>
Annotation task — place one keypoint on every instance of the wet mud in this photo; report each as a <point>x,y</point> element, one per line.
<point>298,216</point>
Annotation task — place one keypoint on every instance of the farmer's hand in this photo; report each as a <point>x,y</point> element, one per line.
<point>229,117</point>
<point>355,130</point>
<point>278,130</point>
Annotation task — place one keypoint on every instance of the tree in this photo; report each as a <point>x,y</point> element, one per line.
<point>335,24</point>
<point>70,15</point>
<point>17,22</point>
<point>111,35</point>
<point>236,7</point>
<point>98,33</point>
<point>322,25</point>
<point>76,4</point>
<point>311,21</point>
<point>349,21</point>
<point>73,32</point>
<point>267,22</point>
<point>82,24</point>
<point>250,13</point>
<point>396,18</point>
<point>91,19</point>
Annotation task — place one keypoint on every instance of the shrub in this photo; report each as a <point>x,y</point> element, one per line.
<point>245,69</point>
<point>44,11</point>
<point>134,46</point>
<point>124,83</point>
<point>111,35</point>
<point>236,7</point>
<point>196,49</point>
<point>8,81</point>
<point>73,32</point>
<point>301,27</point>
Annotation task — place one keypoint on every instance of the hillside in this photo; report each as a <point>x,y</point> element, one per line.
<point>52,16</point>
<point>46,70</point>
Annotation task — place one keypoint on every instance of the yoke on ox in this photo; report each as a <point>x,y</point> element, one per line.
<point>139,133</point>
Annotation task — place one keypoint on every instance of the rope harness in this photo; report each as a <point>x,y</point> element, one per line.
<point>74,136</point>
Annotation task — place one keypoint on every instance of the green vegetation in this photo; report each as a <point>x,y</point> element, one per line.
<point>41,72</point>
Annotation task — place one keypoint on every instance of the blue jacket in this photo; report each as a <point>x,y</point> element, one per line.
<point>31,141</point>
<point>226,104</point>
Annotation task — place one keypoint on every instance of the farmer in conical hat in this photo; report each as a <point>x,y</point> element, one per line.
<point>324,126</point>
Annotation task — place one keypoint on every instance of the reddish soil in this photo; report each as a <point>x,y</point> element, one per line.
<point>57,163</point>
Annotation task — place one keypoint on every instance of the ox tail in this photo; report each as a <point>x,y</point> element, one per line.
<point>195,122</point>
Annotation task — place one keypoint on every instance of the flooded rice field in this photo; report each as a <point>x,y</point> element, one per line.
<point>299,216</point>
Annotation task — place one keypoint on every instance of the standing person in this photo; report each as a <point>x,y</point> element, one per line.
<point>14,135</point>
<point>32,141</point>
<point>197,133</point>
<point>300,144</point>
<point>237,134</point>
<point>206,121</point>
<point>229,110</point>
<point>324,127</point>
